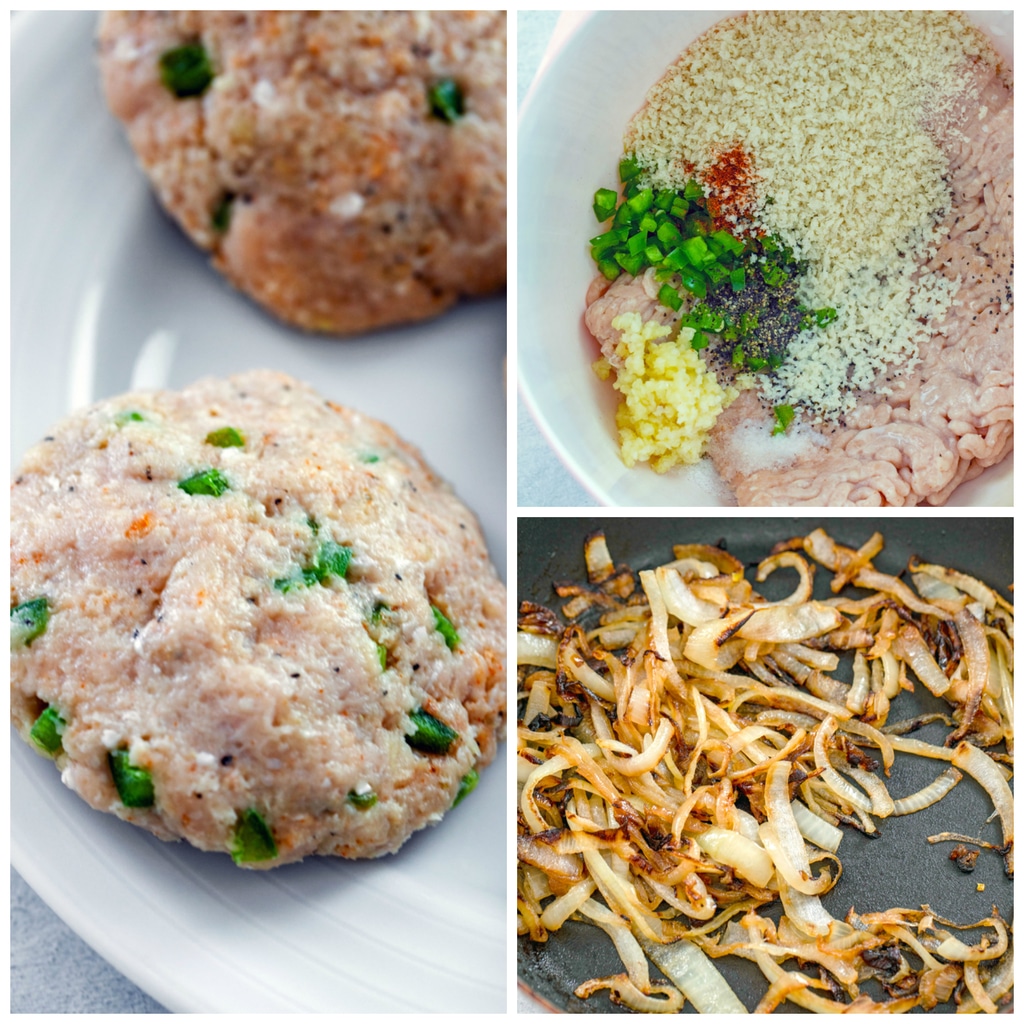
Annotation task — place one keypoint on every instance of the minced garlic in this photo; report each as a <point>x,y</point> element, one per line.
<point>670,399</point>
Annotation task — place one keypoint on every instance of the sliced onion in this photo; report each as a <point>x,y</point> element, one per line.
<point>623,992</point>
<point>931,794</point>
<point>846,791</point>
<point>781,834</point>
<point>563,870</point>
<point>743,855</point>
<point>986,773</point>
<point>874,580</point>
<point>583,673</point>
<point>790,622</point>
<point>816,830</point>
<point>531,813</point>
<point>977,990</point>
<point>646,761</point>
<point>881,802</point>
<point>791,560</point>
<point>681,601</point>
<point>711,645</point>
<point>997,984</point>
<point>534,649</point>
<point>959,581</point>
<point>910,646</point>
<point>976,656</point>
<point>690,969</point>
<point>560,910</point>
<point>952,948</point>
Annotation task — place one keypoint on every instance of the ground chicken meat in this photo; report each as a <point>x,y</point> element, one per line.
<point>345,168</point>
<point>263,607</point>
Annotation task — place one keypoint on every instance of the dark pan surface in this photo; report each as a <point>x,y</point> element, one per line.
<point>898,869</point>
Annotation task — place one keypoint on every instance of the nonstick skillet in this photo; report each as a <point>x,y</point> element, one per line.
<point>897,869</point>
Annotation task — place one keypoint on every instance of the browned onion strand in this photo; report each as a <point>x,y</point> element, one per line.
<point>686,759</point>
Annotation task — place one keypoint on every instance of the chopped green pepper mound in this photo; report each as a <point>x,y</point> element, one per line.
<point>445,628</point>
<point>209,481</point>
<point>226,437</point>
<point>134,784</point>
<point>466,786</point>
<point>446,100</point>
<point>47,731</point>
<point>432,736</point>
<point>253,840</point>
<point>29,621</point>
<point>186,70</point>
<point>362,801</point>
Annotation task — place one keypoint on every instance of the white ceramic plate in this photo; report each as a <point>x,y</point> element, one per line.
<point>107,294</point>
<point>570,142</point>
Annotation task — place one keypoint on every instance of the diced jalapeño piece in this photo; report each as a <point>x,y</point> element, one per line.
<point>466,786</point>
<point>186,70</point>
<point>226,437</point>
<point>432,736</point>
<point>47,731</point>
<point>253,839</point>
<point>445,99</point>
<point>220,219</point>
<point>362,801</point>
<point>29,620</point>
<point>209,481</point>
<point>128,416</point>
<point>332,560</point>
<point>134,784</point>
<point>445,628</point>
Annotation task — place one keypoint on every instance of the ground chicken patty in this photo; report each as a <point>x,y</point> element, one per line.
<point>345,168</point>
<point>263,606</point>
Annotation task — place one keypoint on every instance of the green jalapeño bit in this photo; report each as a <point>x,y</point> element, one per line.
<point>220,219</point>
<point>186,70</point>
<point>226,437</point>
<point>445,628</point>
<point>209,481</point>
<point>134,785</point>
<point>432,736</point>
<point>466,786</point>
<point>47,731</point>
<point>253,839</point>
<point>29,620</point>
<point>362,801</point>
<point>332,560</point>
<point>445,99</point>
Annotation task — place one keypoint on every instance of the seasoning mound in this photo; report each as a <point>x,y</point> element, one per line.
<point>250,618</point>
<point>832,108</point>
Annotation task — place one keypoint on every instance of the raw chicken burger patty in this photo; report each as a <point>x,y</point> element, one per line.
<point>345,168</point>
<point>250,618</point>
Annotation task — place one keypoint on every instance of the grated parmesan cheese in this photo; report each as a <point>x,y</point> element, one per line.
<point>833,108</point>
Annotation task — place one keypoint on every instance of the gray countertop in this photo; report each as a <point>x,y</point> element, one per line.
<point>54,971</point>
